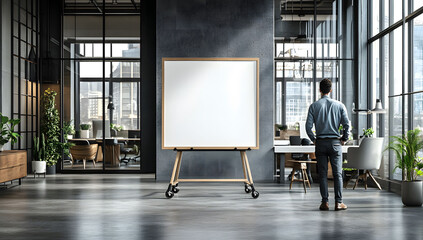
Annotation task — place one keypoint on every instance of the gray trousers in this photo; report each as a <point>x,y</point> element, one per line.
<point>329,150</point>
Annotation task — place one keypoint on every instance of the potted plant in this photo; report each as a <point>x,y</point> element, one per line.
<point>406,149</point>
<point>38,155</point>
<point>68,129</point>
<point>50,127</point>
<point>277,130</point>
<point>85,130</point>
<point>7,131</point>
<point>368,132</point>
<point>115,128</point>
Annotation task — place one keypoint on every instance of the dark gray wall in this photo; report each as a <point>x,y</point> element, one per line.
<point>218,28</point>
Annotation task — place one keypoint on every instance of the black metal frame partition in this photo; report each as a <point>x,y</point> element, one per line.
<point>283,80</point>
<point>407,79</point>
<point>25,52</point>
<point>103,11</point>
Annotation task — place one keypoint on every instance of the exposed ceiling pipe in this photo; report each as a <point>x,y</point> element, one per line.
<point>135,5</point>
<point>96,5</point>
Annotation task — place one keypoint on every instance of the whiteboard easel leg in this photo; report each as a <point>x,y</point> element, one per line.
<point>178,168</point>
<point>254,193</point>
<point>175,175</point>
<point>243,168</point>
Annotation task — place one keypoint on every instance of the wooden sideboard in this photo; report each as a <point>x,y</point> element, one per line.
<point>13,165</point>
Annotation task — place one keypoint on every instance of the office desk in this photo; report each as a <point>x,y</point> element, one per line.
<point>281,150</point>
<point>119,139</point>
<point>109,150</point>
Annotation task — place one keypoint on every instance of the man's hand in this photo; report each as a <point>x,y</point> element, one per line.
<point>342,142</point>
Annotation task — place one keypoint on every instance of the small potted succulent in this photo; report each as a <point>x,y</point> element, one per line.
<point>85,130</point>
<point>115,128</point>
<point>39,155</point>
<point>7,131</point>
<point>406,149</point>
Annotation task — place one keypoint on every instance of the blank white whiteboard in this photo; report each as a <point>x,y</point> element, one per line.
<point>210,103</point>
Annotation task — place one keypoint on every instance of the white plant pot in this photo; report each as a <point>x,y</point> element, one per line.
<point>1,148</point>
<point>70,136</point>
<point>39,166</point>
<point>85,133</point>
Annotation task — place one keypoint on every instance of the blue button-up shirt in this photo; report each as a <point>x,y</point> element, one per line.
<point>327,115</point>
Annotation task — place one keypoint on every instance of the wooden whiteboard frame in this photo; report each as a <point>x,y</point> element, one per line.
<point>257,60</point>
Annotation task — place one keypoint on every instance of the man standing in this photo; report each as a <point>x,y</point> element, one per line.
<point>327,115</point>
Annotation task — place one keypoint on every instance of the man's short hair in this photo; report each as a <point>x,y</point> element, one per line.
<point>325,86</point>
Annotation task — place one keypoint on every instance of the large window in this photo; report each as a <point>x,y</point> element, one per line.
<point>396,75</point>
<point>311,44</point>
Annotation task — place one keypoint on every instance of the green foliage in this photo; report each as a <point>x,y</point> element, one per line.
<point>368,132</point>
<point>39,149</point>
<point>50,127</point>
<point>85,126</point>
<point>283,127</point>
<point>406,149</point>
<point>7,130</point>
<point>349,169</point>
<point>116,127</point>
<point>68,128</point>
<point>419,167</point>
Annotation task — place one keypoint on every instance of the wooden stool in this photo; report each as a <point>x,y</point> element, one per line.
<point>302,166</point>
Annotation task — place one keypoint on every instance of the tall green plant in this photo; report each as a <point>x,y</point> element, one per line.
<point>406,149</point>
<point>39,148</point>
<point>50,126</point>
<point>67,130</point>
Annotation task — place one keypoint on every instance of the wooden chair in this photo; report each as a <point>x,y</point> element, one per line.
<point>84,153</point>
<point>302,167</point>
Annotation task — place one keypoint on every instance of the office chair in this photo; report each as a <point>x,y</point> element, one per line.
<point>124,151</point>
<point>84,151</point>
<point>367,156</point>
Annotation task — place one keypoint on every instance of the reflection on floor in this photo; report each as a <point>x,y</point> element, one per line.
<point>128,206</point>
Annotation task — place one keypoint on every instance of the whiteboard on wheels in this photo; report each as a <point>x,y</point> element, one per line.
<point>210,103</point>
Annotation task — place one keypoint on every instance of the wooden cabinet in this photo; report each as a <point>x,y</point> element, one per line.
<point>13,165</point>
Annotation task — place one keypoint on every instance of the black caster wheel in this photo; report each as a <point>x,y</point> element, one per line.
<point>247,189</point>
<point>255,194</point>
<point>175,189</point>
<point>169,194</point>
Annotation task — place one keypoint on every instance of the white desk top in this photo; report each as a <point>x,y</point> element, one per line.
<point>302,149</point>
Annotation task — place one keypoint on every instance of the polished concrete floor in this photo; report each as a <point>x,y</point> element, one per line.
<point>133,207</point>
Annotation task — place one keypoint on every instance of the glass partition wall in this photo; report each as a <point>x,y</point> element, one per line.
<point>396,73</point>
<point>101,85</point>
<point>312,42</point>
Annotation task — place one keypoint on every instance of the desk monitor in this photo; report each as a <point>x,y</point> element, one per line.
<point>134,134</point>
<point>98,128</point>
